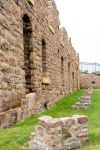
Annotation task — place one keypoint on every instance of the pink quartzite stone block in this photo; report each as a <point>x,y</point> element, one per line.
<point>85,100</point>
<point>81,119</point>
<point>60,133</point>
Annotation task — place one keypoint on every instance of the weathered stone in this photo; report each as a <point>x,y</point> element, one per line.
<point>60,137</point>
<point>38,64</point>
<point>3,1</point>
<point>85,100</point>
<point>81,119</point>
<point>7,119</point>
<point>89,80</point>
<point>30,99</point>
<point>73,145</point>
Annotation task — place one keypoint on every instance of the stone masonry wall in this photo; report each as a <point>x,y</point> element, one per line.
<point>38,64</point>
<point>60,133</point>
<point>89,80</point>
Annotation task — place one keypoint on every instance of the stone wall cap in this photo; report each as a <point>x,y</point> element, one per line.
<point>80,119</point>
<point>46,80</point>
<point>51,29</point>
<point>31,2</point>
<point>31,95</point>
<point>45,118</point>
<point>49,122</point>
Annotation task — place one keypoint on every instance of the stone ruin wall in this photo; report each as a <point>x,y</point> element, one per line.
<point>60,133</point>
<point>38,64</point>
<point>89,80</point>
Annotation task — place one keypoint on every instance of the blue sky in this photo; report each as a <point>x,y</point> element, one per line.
<point>81,18</point>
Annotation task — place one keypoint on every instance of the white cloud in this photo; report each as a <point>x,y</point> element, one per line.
<point>82,21</point>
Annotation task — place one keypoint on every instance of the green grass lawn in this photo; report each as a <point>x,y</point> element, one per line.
<point>16,138</point>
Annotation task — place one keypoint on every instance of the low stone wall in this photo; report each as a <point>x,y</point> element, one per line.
<point>85,100</point>
<point>89,80</point>
<point>60,134</point>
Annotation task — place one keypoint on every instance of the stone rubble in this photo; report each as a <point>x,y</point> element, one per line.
<point>60,133</point>
<point>85,100</point>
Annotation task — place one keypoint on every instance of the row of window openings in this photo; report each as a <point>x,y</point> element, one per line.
<point>27,34</point>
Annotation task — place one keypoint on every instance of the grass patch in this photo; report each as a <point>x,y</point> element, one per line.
<point>17,136</point>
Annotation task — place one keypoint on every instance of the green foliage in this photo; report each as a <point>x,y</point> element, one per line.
<point>16,137</point>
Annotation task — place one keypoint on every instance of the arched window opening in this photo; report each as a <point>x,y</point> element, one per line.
<point>44,57</point>
<point>73,77</point>
<point>58,53</point>
<point>68,66</point>
<point>27,36</point>
<point>62,68</point>
<point>69,69</point>
<point>46,105</point>
<point>69,75</point>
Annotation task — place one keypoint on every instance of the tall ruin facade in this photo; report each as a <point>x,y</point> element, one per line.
<point>38,64</point>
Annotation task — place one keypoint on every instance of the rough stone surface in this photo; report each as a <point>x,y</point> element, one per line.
<point>60,134</point>
<point>85,100</point>
<point>89,80</point>
<point>38,64</point>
